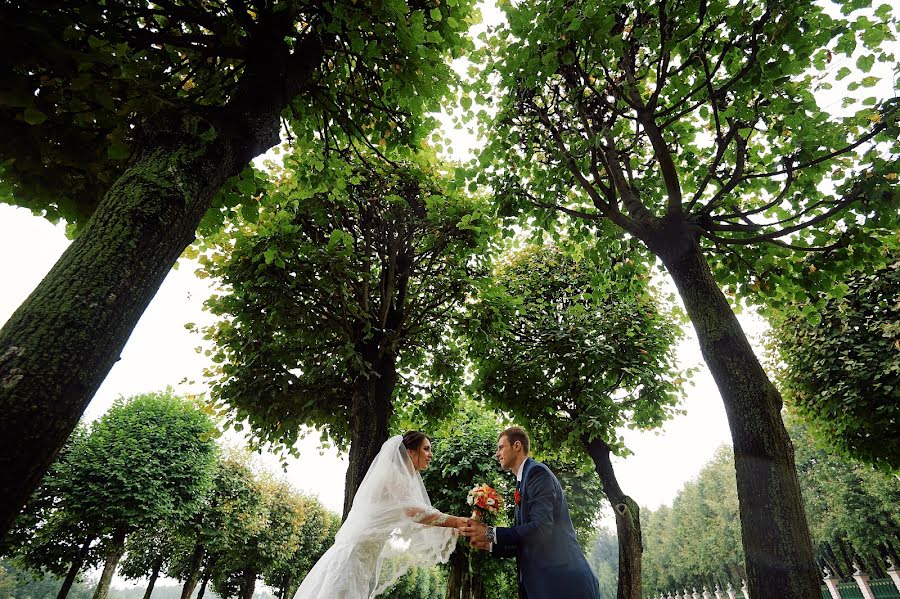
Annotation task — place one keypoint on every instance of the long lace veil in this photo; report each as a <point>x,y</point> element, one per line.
<point>387,517</point>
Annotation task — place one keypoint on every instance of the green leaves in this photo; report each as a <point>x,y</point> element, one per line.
<point>347,268</point>
<point>71,87</point>
<point>141,466</point>
<point>697,538</point>
<point>33,116</point>
<point>865,62</point>
<point>841,369</point>
<point>571,349</point>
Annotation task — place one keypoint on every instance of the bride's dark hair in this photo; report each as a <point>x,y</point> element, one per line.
<point>413,440</point>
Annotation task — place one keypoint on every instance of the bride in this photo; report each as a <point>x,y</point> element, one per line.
<point>390,528</point>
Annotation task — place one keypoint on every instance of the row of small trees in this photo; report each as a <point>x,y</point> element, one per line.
<point>146,491</point>
<point>852,511</point>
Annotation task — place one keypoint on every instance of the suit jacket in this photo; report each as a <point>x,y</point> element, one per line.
<point>550,562</point>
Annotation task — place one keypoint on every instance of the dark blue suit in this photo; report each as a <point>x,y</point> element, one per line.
<point>549,559</point>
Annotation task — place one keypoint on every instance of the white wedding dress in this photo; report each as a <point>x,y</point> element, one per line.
<point>390,529</point>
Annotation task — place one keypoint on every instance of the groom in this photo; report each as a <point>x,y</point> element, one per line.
<point>548,557</point>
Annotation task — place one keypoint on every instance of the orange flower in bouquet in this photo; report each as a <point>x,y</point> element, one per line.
<point>486,503</point>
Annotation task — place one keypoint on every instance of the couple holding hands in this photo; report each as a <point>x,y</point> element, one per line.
<point>392,528</point>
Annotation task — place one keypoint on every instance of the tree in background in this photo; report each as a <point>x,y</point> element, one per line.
<point>464,457</point>
<point>250,527</point>
<point>148,552</point>
<point>344,284</point>
<point>145,463</point>
<point>17,582</point>
<point>49,536</point>
<point>853,508</point>
<point>575,351</point>
<point>419,583</point>
<point>841,370</point>
<point>230,514</point>
<point>603,558</point>
<point>126,120</point>
<point>281,513</point>
<point>697,541</point>
<point>314,536</point>
<point>693,127</point>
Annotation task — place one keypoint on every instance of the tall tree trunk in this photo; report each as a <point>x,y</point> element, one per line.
<point>369,415</point>
<point>203,584</point>
<point>628,521</point>
<point>157,565</point>
<point>116,549</point>
<point>59,345</point>
<point>248,584</point>
<point>459,566</point>
<point>775,535</point>
<point>478,588</point>
<point>74,568</point>
<point>194,572</point>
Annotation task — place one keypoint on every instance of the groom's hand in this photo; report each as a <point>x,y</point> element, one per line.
<point>474,531</point>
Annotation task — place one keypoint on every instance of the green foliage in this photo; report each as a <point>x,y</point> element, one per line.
<point>464,457</point>
<point>349,265</point>
<point>251,523</point>
<point>573,349</point>
<point>698,540</point>
<point>314,533</point>
<point>148,550</point>
<point>148,460</point>
<point>19,583</point>
<point>841,371</point>
<point>851,509</point>
<point>146,463</point>
<point>45,536</point>
<point>695,128</point>
<point>604,560</point>
<point>269,536</point>
<point>233,515</point>
<point>419,584</point>
<point>700,112</point>
<point>84,76</point>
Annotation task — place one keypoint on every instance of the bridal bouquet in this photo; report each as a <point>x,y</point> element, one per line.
<point>486,503</point>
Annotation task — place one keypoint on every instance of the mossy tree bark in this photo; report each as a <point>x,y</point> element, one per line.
<point>775,537</point>
<point>628,521</point>
<point>57,348</point>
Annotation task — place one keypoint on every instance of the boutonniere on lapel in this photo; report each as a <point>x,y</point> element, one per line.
<point>517,497</point>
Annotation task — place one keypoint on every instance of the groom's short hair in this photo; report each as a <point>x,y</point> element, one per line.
<point>517,433</point>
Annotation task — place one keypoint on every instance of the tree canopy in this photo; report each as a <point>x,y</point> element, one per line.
<point>841,370</point>
<point>345,284</point>
<point>695,128</point>
<point>85,76</point>
<point>146,463</point>
<point>575,346</point>
<point>127,119</point>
